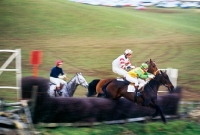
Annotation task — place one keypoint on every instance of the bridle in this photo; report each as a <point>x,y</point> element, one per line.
<point>156,72</point>
<point>158,81</point>
<point>79,81</point>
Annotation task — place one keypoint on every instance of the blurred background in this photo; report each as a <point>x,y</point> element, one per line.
<point>88,34</point>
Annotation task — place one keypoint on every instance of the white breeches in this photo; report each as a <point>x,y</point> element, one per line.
<point>57,81</point>
<point>137,81</point>
<point>119,71</point>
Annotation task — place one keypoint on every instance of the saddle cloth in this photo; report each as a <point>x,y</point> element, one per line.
<point>131,88</point>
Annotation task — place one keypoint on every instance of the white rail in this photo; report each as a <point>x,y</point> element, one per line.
<point>17,56</point>
<point>173,76</point>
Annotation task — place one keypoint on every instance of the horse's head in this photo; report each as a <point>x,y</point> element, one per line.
<point>81,80</point>
<point>152,67</point>
<point>163,78</point>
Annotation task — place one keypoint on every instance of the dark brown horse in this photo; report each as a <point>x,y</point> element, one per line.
<point>95,86</point>
<point>117,89</point>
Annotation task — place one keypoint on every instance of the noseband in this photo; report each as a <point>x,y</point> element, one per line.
<point>159,82</point>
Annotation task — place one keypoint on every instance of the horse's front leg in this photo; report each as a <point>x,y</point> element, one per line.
<point>158,110</point>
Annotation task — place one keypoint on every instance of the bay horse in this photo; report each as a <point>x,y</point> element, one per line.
<point>70,87</point>
<point>96,85</point>
<point>117,89</point>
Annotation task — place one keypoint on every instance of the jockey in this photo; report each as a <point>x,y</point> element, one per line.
<point>122,63</point>
<point>138,76</point>
<point>54,75</point>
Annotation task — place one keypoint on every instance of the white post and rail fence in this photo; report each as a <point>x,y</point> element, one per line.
<point>17,57</point>
<point>173,76</point>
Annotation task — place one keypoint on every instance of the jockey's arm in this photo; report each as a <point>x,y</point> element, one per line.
<point>141,75</point>
<point>64,77</point>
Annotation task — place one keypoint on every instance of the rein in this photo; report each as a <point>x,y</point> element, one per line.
<point>79,79</point>
<point>158,82</point>
<point>156,72</point>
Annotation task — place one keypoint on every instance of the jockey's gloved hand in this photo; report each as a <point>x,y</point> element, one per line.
<point>132,67</point>
<point>151,76</point>
<point>128,67</point>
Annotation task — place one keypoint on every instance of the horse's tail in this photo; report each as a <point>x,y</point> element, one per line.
<point>92,87</point>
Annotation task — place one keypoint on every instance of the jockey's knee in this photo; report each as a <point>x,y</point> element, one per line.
<point>141,85</point>
<point>136,84</point>
<point>57,88</point>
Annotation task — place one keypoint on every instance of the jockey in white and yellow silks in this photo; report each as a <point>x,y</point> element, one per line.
<point>122,63</point>
<point>138,76</point>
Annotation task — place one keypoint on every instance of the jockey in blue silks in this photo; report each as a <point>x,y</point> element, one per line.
<point>55,77</point>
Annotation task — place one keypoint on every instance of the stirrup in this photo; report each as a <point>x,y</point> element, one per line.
<point>59,92</point>
<point>138,94</point>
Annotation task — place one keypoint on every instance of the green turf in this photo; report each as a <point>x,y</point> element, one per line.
<point>176,127</point>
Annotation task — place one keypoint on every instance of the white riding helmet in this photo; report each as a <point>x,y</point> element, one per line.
<point>128,51</point>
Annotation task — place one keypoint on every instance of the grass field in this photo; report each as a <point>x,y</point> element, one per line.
<point>88,38</point>
<point>172,128</point>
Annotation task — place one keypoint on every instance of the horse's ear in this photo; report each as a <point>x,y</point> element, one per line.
<point>163,72</point>
<point>152,60</point>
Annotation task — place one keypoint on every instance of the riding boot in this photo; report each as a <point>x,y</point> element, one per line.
<point>61,86</point>
<point>137,92</point>
<point>58,91</point>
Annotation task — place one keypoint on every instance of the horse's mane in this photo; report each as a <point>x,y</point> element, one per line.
<point>73,77</point>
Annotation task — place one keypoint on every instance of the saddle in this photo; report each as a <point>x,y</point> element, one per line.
<point>130,89</point>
